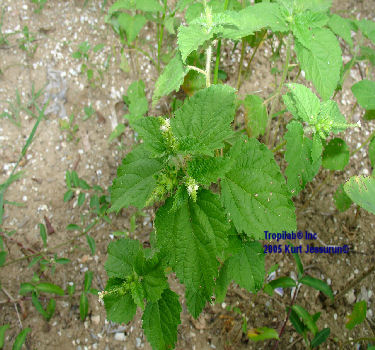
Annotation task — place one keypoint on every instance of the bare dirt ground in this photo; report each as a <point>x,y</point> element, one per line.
<point>59,29</point>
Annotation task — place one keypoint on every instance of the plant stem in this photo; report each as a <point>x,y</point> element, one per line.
<point>208,65</point>
<point>197,69</point>
<point>161,34</point>
<point>363,144</point>
<point>241,64</point>
<point>253,54</point>
<point>280,145</point>
<point>278,90</point>
<point>216,71</point>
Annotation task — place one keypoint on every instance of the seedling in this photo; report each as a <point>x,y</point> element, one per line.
<point>70,128</point>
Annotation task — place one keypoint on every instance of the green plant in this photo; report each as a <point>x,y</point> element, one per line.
<point>39,5</point>
<point>70,128</point>
<point>20,339</point>
<point>26,42</point>
<point>218,190</point>
<point>93,71</point>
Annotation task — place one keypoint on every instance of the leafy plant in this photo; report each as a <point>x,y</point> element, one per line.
<point>70,128</point>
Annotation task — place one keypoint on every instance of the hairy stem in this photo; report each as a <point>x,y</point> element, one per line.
<point>208,65</point>
<point>161,34</point>
<point>241,64</point>
<point>216,71</point>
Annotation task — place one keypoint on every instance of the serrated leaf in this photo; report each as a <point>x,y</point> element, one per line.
<point>254,18</point>
<point>341,27</point>
<point>202,124</point>
<point>206,170</point>
<point>336,155</point>
<point>301,169</point>
<point>246,268</point>
<point>358,315</point>
<point>367,27</point>
<point>138,104</point>
<point>160,320</point>
<point>256,115</point>
<point>364,92</point>
<point>131,25</point>
<point>321,61</point>
<point>302,103</point>
<point>20,339</point>
<point>190,38</point>
<point>263,333</point>
<point>171,79</point>
<point>317,148</point>
<point>123,254</point>
<point>361,191</point>
<point>2,334</point>
<point>342,201</point>
<point>142,5</point>
<point>135,180</point>
<point>254,191</point>
<point>194,235</point>
<point>137,292</point>
<point>148,128</point>
<point>193,11</point>
<point>306,318</point>
<point>317,284</point>
<point>320,337</point>
<point>120,307</point>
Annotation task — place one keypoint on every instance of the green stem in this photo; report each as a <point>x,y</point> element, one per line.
<point>279,88</point>
<point>241,63</point>
<point>208,66</point>
<point>280,145</point>
<point>252,56</point>
<point>161,34</point>
<point>216,72</point>
<point>363,144</point>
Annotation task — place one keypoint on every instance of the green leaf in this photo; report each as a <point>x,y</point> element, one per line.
<point>142,5</point>
<point>73,227</point>
<point>119,306</point>
<point>358,315</point>
<point>320,337</point>
<point>371,152</point>
<point>137,293</point>
<point>306,318</point>
<point>367,27</point>
<point>50,309</point>
<point>88,280</point>
<point>38,305</point>
<point>317,148</point>
<point>202,124</point>
<point>263,333</point>
<point>171,79</point>
<point>206,170</point>
<point>321,61</point>
<point>2,334</point>
<point>81,198</point>
<point>122,255</point>
<point>148,128</point>
<point>246,268</point>
<point>131,25</point>
<point>369,115</point>
<point>138,104</point>
<point>317,284</point>
<point>190,38</point>
<point>341,27</point>
<point>43,234</point>
<point>254,191</point>
<point>194,11</point>
<point>20,339</point>
<point>26,288</point>
<point>160,321</point>
<point>301,169</point>
<point>364,92</point>
<point>194,234</point>
<point>3,256</point>
<point>336,155</point>
<point>117,132</point>
<point>68,195</point>
<point>91,243</point>
<point>367,53</point>
<point>296,322</point>
<point>135,180</point>
<point>342,201</point>
<point>254,18</point>
<point>83,306</point>
<point>361,191</point>
<point>302,103</point>
<point>283,282</point>
<point>256,114</point>
<point>46,287</point>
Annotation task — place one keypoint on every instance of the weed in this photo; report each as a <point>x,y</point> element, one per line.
<point>70,128</point>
